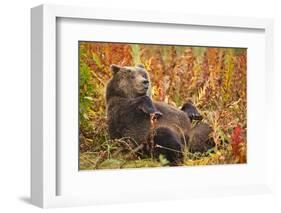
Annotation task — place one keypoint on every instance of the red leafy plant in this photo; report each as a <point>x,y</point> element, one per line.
<point>238,144</point>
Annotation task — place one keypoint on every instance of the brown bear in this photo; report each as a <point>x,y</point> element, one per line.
<point>129,111</point>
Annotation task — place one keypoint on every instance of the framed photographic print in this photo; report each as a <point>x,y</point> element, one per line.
<point>130,106</point>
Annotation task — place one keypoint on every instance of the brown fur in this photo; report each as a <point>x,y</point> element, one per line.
<point>128,107</point>
<point>174,119</point>
<point>200,140</point>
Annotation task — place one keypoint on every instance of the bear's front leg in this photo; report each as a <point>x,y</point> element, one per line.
<point>145,105</point>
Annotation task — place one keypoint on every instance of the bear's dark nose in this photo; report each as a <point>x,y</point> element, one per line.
<point>145,82</point>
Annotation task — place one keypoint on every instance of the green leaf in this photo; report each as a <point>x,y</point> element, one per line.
<point>88,98</point>
<point>163,160</point>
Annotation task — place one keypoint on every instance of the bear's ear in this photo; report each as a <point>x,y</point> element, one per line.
<point>140,66</point>
<point>114,68</point>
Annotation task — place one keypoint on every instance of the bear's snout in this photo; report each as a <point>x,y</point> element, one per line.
<point>145,83</point>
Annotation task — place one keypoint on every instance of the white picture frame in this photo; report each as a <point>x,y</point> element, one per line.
<point>45,169</point>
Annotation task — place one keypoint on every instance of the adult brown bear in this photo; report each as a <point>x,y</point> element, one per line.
<point>129,111</point>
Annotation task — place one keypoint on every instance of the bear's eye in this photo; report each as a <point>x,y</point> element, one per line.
<point>145,76</point>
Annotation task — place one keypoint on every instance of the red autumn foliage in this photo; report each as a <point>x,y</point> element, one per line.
<point>237,139</point>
